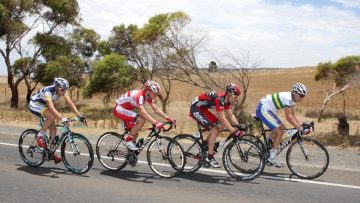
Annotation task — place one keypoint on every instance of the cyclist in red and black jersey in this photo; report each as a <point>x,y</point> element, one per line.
<point>199,111</point>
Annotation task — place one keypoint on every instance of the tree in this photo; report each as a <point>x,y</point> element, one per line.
<point>19,20</point>
<point>340,74</point>
<point>110,75</point>
<point>84,43</point>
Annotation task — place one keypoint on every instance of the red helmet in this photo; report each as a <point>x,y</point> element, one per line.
<point>152,86</point>
<point>233,89</point>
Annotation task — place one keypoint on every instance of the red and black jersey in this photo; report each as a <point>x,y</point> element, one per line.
<point>211,100</point>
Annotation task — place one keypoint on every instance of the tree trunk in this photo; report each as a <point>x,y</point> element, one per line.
<point>28,95</point>
<point>322,108</point>
<point>14,97</point>
<point>328,97</point>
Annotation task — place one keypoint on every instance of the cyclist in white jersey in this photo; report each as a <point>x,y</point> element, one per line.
<point>135,100</point>
<point>42,105</point>
<point>267,109</point>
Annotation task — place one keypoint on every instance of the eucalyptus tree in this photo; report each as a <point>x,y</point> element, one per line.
<point>20,22</point>
<point>340,74</point>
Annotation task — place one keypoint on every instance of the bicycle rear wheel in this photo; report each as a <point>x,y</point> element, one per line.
<point>77,154</point>
<point>243,160</point>
<point>307,158</point>
<point>30,153</point>
<point>111,151</point>
<point>165,157</point>
<point>192,151</point>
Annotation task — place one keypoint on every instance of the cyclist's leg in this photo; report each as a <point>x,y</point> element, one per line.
<point>39,109</point>
<point>132,124</point>
<point>208,121</point>
<point>276,126</point>
<point>139,123</point>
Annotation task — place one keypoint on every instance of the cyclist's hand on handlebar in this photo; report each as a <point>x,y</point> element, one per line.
<point>305,131</point>
<point>82,119</point>
<point>171,120</point>
<point>159,125</point>
<point>238,133</point>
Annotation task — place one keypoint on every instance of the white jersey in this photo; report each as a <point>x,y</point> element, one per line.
<point>46,93</point>
<point>132,99</point>
<point>276,101</point>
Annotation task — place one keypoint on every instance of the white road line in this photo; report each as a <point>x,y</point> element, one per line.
<point>262,176</point>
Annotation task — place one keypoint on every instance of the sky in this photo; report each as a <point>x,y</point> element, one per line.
<point>279,33</point>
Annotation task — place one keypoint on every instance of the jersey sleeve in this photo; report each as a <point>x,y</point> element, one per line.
<point>288,102</point>
<point>47,95</point>
<point>149,100</point>
<point>140,100</point>
<point>227,106</point>
<point>219,104</point>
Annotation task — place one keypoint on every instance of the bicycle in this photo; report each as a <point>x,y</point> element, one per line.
<point>242,159</point>
<point>164,154</point>
<point>72,145</point>
<point>306,158</point>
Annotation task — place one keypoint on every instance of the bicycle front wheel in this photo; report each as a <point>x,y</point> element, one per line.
<point>243,160</point>
<point>111,151</point>
<point>77,154</point>
<point>192,151</point>
<point>30,153</point>
<point>307,158</point>
<point>165,157</point>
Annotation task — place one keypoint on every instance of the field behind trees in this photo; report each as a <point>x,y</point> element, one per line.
<point>263,81</point>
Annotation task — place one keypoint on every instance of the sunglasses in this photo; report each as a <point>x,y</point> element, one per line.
<point>301,95</point>
<point>60,89</point>
<point>234,96</point>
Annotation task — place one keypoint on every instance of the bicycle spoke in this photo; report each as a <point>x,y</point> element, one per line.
<point>307,158</point>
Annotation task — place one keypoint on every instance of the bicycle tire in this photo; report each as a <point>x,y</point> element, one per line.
<point>243,160</point>
<point>28,146</point>
<point>83,158</point>
<point>161,155</point>
<point>111,152</point>
<point>192,151</point>
<point>307,168</point>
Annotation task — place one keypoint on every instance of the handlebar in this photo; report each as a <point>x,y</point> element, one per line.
<point>309,125</point>
<point>170,124</point>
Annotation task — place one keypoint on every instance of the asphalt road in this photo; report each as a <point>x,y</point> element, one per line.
<point>50,182</point>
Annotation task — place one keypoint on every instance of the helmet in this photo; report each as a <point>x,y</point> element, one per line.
<point>152,86</point>
<point>299,88</point>
<point>61,83</point>
<point>233,89</point>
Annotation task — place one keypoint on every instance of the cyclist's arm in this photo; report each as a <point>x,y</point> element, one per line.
<point>145,115</point>
<point>290,117</point>
<point>225,122</point>
<point>231,117</point>
<point>51,107</point>
<point>158,111</point>
<point>71,105</point>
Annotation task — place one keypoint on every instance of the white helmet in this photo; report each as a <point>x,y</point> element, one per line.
<point>61,83</point>
<point>152,86</point>
<point>299,88</point>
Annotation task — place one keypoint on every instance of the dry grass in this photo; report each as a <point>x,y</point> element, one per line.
<point>262,82</point>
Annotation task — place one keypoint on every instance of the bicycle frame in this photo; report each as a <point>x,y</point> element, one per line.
<point>153,133</point>
<point>65,134</point>
<point>296,136</point>
<point>221,144</point>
